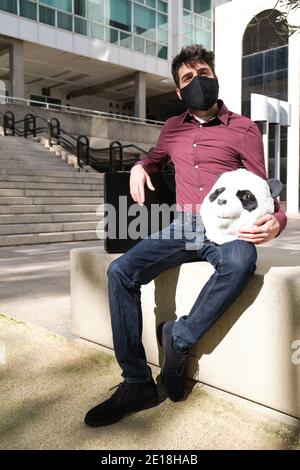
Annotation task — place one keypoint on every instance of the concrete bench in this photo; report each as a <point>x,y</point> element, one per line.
<point>248,351</point>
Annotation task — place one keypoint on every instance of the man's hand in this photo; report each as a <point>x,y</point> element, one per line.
<point>264,229</point>
<point>138,178</point>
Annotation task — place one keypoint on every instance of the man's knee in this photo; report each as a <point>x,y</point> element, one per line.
<point>242,259</point>
<point>115,268</point>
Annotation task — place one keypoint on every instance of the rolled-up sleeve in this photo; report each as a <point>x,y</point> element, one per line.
<point>252,157</point>
<point>158,156</point>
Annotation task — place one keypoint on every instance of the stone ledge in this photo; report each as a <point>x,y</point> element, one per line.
<point>247,352</point>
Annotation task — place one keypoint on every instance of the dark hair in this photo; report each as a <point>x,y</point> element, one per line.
<point>189,54</point>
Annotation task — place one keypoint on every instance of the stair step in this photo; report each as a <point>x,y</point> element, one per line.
<point>64,186</point>
<point>60,165</point>
<point>25,149</point>
<point>6,154</point>
<point>52,171</point>
<point>71,172</point>
<point>50,209</point>
<point>49,200</point>
<point>34,158</point>
<point>7,150</point>
<point>49,218</point>
<point>48,193</point>
<point>20,179</point>
<point>17,229</point>
<point>55,237</point>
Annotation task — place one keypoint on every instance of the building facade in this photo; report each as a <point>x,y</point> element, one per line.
<point>109,55</point>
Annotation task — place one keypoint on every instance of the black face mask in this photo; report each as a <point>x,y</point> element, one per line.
<point>201,93</point>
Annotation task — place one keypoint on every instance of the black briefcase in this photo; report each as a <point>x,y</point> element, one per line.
<point>116,184</point>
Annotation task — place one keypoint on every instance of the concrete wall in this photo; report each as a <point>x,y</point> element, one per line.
<point>102,130</point>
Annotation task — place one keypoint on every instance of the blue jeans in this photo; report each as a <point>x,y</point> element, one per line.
<point>234,264</point>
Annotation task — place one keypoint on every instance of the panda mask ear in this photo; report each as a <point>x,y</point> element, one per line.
<point>275,186</point>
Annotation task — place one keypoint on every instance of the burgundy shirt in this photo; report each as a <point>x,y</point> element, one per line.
<point>200,152</point>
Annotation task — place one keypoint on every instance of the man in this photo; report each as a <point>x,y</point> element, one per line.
<point>203,142</point>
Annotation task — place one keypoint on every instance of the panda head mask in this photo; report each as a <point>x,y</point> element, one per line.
<point>238,198</point>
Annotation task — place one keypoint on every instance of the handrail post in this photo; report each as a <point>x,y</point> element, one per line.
<point>114,146</point>
<point>54,131</point>
<point>29,125</point>
<point>9,124</point>
<point>83,149</point>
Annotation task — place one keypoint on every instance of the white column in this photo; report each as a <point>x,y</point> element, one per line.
<point>140,95</point>
<point>293,150</point>
<point>17,79</point>
<point>175,27</point>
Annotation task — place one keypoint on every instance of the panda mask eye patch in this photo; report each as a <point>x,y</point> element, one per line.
<point>247,199</point>
<point>216,194</point>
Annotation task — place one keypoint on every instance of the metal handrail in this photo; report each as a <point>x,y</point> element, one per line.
<point>82,111</point>
<point>79,145</point>
<point>56,135</point>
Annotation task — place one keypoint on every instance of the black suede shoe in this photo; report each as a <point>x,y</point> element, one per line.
<point>126,399</point>
<point>173,370</point>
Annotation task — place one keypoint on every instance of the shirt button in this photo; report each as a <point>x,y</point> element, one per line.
<point>194,145</point>
<point>201,189</point>
<point>196,166</point>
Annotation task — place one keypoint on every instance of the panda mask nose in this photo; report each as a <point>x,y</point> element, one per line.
<point>222,202</point>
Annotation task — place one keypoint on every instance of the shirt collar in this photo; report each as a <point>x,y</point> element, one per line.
<point>223,114</point>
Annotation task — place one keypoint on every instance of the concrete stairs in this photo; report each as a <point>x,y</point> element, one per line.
<point>43,199</point>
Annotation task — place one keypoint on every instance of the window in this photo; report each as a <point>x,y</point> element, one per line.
<point>265,71</point>
<point>47,15</point>
<point>28,9</point>
<point>162,6</point>
<point>162,36</point>
<point>187,4</point>
<point>95,10</point>
<point>197,25</point>
<point>41,99</point>
<point>163,52</point>
<point>138,44</point>
<point>80,8</point>
<point>150,48</point>
<point>125,40</point>
<point>80,26</point>
<point>112,35</point>
<point>119,14</point>
<point>276,59</point>
<point>203,7</point>
<point>252,65</point>
<point>151,3</point>
<point>9,5</point>
<point>64,21</point>
<point>162,21</point>
<point>144,21</point>
<point>97,31</point>
<point>65,5</point>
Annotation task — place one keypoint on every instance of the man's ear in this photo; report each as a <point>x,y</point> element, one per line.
<point>275,187</point>
<point>178,93</point>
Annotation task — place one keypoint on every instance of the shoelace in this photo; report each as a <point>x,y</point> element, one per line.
<point>181,367</point>
<point>121,385</point>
